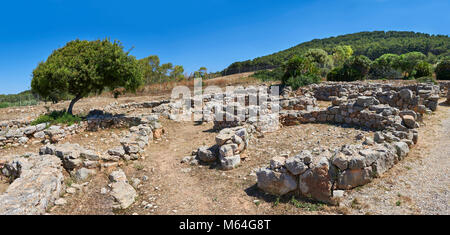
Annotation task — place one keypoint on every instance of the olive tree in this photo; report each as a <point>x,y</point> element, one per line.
<point>83,67</point>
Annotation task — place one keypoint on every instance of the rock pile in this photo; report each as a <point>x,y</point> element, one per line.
<point>228,150</point>
<point>135,142</point>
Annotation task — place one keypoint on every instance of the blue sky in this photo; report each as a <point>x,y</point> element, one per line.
<point>196,33</point>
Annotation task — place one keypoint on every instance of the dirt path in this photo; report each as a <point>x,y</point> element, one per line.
<point>420,183</point>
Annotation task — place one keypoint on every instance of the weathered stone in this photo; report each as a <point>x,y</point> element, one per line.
<point>295,165</point>
<point>406,94</point>
<point>227,150</point>
<point>123,193</point>
<point>83,174</point>
<point>353,178</point>
<point>275,182</point>
<point>409,121</point>
<point>117,151</point>
<point>340,160</point>
<point>38,186</point>
<point>206,154</point>
<point>401,148</point>
<point>356,162</point>
<point>118,176</point>
<point>316,183</point>
<point>277,162</point>
<point>230,162</point>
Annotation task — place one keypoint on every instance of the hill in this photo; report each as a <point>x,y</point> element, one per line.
<point>371,44</point>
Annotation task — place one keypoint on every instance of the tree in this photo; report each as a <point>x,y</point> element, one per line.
<point>385,67</point>
<point>422,69</point>
<point>443,70</point>
<point>355,68</point>
<point>150,67</point>
<point>409,60</point>
<point>323,61</point>
<point>300,71</point>
<point>341,54</point>
<point>177,72</point>
<point>82,67</point>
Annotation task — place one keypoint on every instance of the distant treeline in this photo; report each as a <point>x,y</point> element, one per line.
<point>370,44</point>
<point>22,99</point>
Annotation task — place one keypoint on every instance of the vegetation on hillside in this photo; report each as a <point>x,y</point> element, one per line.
<point>22,99</point>
<point>370,44</point>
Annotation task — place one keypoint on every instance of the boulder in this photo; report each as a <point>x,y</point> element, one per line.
<point>316,183</point>
<point>118,176</point>
<point>295,165</point>
<point>83,174</point>
<point>275,182</point>
<point>123,193</point>
<point>206,154</point>
<point>277,162</point>
<point>230,162</point>
<point>409,121</point>
<point>354,177</point>
<point>401,148</point>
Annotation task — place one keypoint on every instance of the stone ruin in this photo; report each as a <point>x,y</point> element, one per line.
<point>36,179</point>
<point>392,112</point>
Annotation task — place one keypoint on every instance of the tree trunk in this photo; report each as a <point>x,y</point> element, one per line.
<point>77,98</point>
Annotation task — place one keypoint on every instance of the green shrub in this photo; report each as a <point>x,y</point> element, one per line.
<point>427,80</point>
<point>57,117</point>
<point>443,70</point>
<point>356,68</point>
<point>269,75</point>
<point>302,80</point>
<point>423,69</point>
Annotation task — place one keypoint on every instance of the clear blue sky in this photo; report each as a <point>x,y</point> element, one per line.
<point>198,33</point>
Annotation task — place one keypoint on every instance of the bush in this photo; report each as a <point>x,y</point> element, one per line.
<point>356,68</point>
<point>302,80</point>
<point>443,70</point>
<point>57,117</point>
<point>422,69</point>
<point>267,75</point>
<point>300,70</point>
<point>426,80</point>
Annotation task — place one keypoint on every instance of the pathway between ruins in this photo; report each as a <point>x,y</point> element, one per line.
<point>418,185</point>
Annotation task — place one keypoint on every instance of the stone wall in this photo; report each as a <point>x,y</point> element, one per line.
<point>320,175</point>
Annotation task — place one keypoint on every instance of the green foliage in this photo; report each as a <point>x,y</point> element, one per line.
<point>408,61</point>
<point>355,68</point>
<point>24,98</point>
<point>371,44</point>
<point>342,54</point>
<point>300,71</point>
<point>422,69</point>
<point>83,67</point>
<point>443,70</point>
<point>302,80</point>
<point>57,117</point>
<point>426,80</point>
<point>306,205</point>
<point>385,66</point>
<point>269,75</point>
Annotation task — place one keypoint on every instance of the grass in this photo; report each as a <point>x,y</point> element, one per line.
<point>57,117</point>
<point>306,205</point>
<point>138,166</point>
